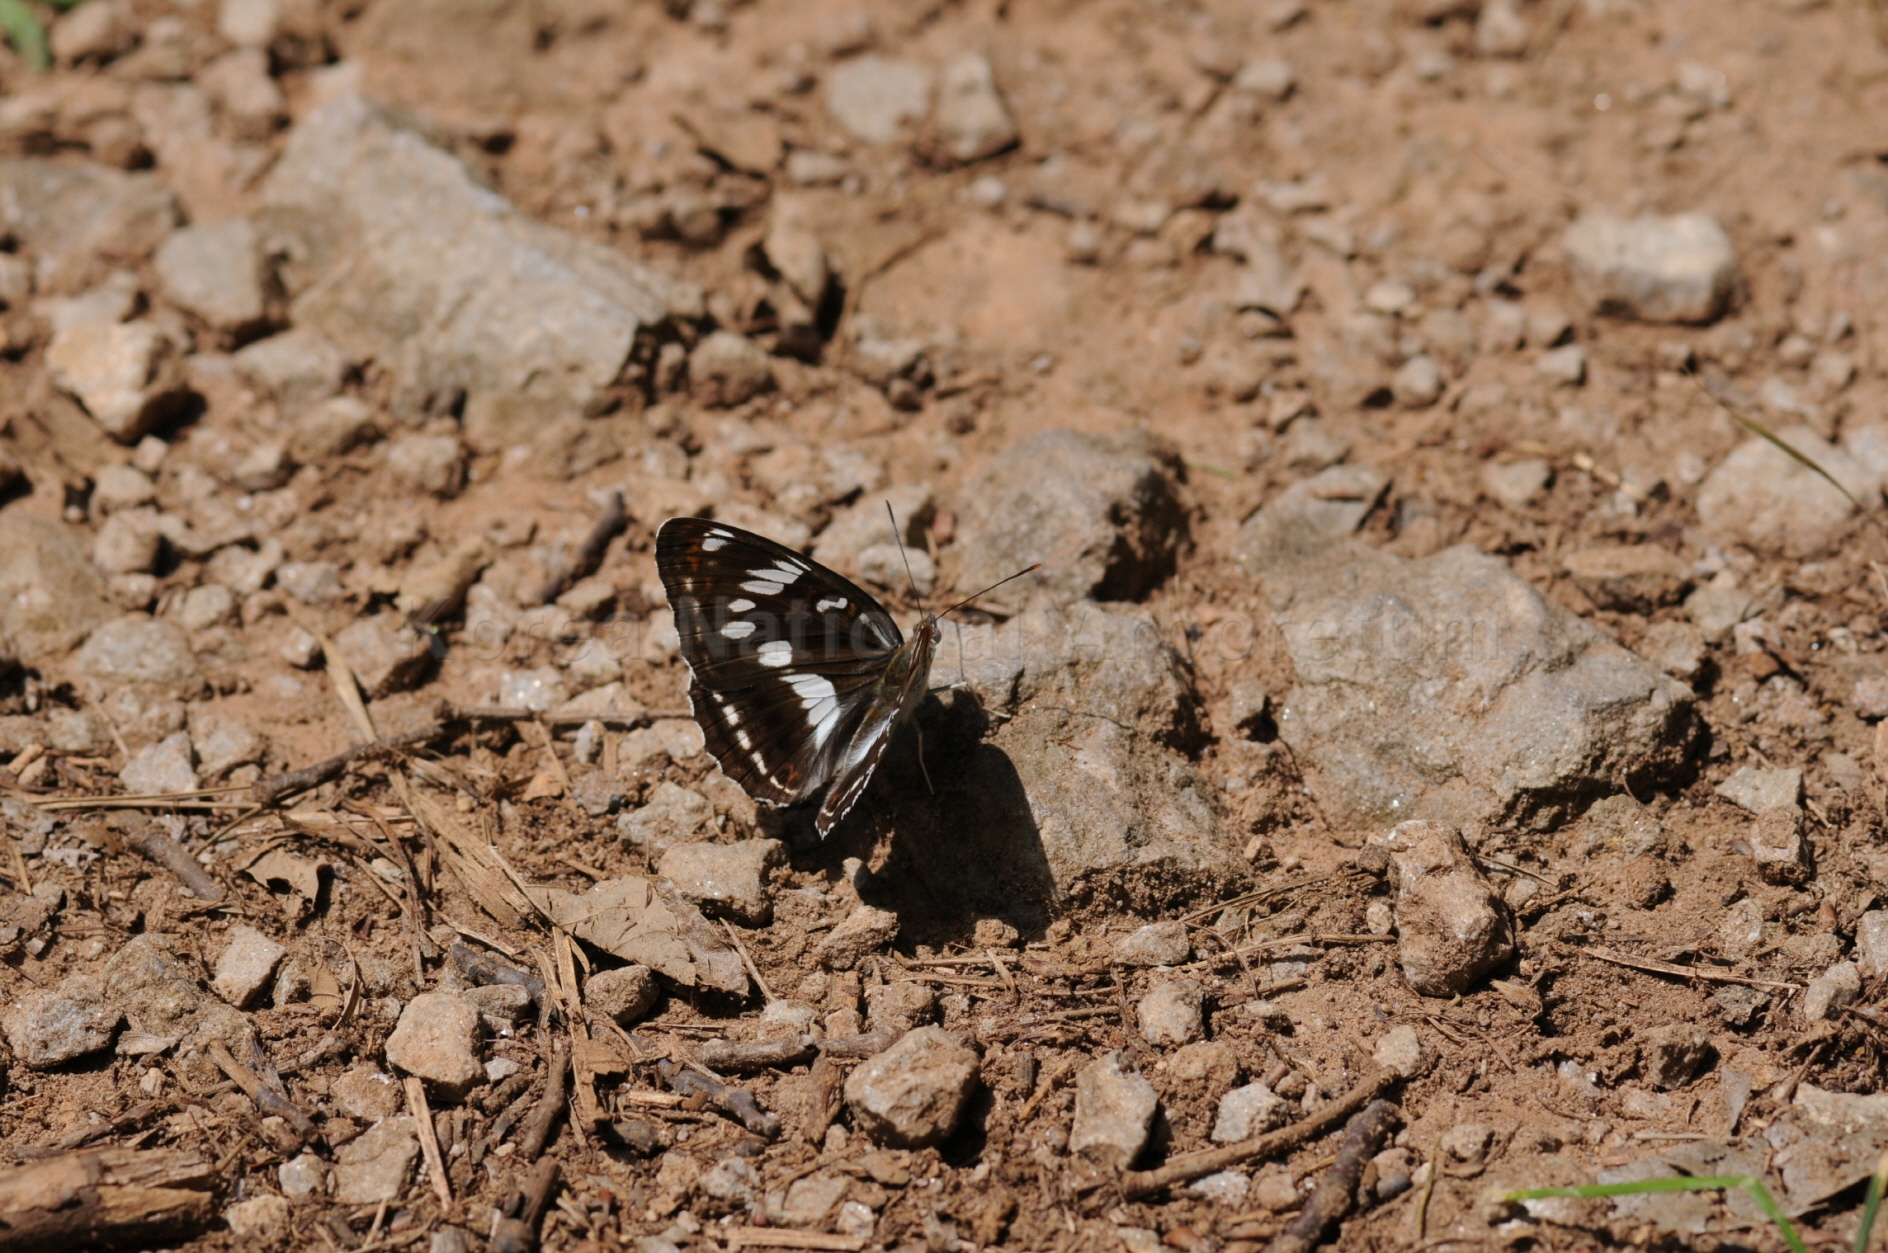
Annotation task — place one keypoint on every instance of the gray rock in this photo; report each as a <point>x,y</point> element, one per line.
<point>1114,1113</point>
<point>1671,1056</point>
<point>1620,827</point>
<point>1676,648</point>
<point>205,606</point>
<point>302,1175</point>
<point>143,713</point>
<point>1084,794</point>
<point>373,1167</point>
<point>1311,513</point>
<point>331,427</point>
<point>864,526</point>
<point>1450,687</point>
<point>1716,609</point>
<point>1249,1111</point>
<point>1565,366</point>
<point>437,1039</point>
<point>1740,933</point>
<point>98,31</point>
<point>128,543</point>
<point>245,94</point>
<point>1761,496</point>
<point>913,1093</point>
<point>367,1093</point>
<point>501,1006</point>
<point>1871,943</point>
<point>672,815</point>
<point>1628,578</point>
<point>298,367</point>
<point>1101,516</point>
<point>727,369</point>
<point>1156,944</point>
<point>727,880</point>
<point>1656,269</point>
<point>55,1026</point>
<point>971,121</point>
<point>1451,927</point>
<point>623,994</point>
<point>899,1006</point>
<point>161,992</point>
<point>124,373</point>
<point>215,272</point>
<point>733,1180</point>
<point>1402,1051</point>
<point>808,1201</point>
<point>385,654</point>
<point>1758,788</point>
<point>1517,484</point>
<point>118,487</point>
<point>1832,990</point>
<point>432,465</point>
<point>249,23</point>
<point>137,648</point>
<point>1776,845</point>
<point>861,933</point>
<point>51,596</point>
<point>261,1218</point>
<point>1173,1013</point>
<point>311,582</point>
<point>166,766</point>
<point>81,220</point>
<point>246,966</point>
<point>397,244</point>
<point>1417,383</point>
<point>877,99</point>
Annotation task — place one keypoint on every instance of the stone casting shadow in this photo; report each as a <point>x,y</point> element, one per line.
<point>970,850</point>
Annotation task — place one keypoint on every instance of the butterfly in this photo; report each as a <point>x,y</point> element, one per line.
<point>796,675</point>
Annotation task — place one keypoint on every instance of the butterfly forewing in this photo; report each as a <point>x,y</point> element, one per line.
<point>787,662</point>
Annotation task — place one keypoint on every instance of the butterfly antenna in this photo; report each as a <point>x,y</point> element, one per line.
<point>986,591</point>
<point>915,598</point>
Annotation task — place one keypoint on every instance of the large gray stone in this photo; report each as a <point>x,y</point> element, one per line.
<point>51,596</point>
<point>914,1093</point>
<point>1083,790</point>
<point>1656,269</point>
<point>1450,688</point>
<point>80,220</point>
<point>404,259</point>
<point>1761,496</point>
<point>1100,515</point>
<point>49,1028</point>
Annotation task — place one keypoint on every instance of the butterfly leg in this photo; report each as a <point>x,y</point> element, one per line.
<point>921,766</point>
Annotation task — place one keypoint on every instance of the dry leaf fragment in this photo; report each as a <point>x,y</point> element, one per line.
<point>633,919</point>
<point>280,870</point>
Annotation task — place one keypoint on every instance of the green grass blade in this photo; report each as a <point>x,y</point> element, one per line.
<point>1763,432</point>
<point>1871,1204</point>
<point>1687,1183</point>
<point>21,26</point>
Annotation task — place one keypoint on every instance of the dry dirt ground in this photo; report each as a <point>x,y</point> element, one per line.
<point>1415,164</point>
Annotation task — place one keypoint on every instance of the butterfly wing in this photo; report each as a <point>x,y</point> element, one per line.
<point>905,681</point>
<point>785,657</point>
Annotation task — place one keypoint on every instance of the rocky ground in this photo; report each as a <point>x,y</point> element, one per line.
<point>1434,688</point>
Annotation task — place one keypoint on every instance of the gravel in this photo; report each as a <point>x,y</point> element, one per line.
<point>1114,1113</point>
<point>876,99</point>
<point>1156,944</point>
<point>914,1093</point>
<point>1761,496</point>
<point>215,273</point>
<point>623,993</point>
<point>438,1039</point>
<point>246,966</point>
<point>1249,1111</point>
<point>1655,269</point>
<point>1451,927</point>
<point>1173,1013</point>
<point>727,880</point>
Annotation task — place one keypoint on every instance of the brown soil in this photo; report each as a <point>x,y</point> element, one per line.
<point>1444,165</point>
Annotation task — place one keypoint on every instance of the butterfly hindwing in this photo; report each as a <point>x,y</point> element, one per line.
<point>786,660</point>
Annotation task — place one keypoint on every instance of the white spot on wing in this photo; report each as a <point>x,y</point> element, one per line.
<point>718,533</point>
<point>776,653</point>
<point>738,630</point>
<point>831,602</point>
<point>742,738</point>
<point>713,544</point>
<point>740,606</point>
<point>763,587</point>
<point>820,700</point>
<point>779,572</point>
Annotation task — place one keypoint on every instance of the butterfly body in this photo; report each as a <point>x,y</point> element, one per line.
<point>797,676</point>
